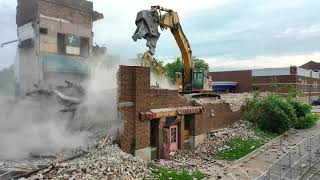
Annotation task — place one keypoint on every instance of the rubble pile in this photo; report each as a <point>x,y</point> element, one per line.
<point>109,162</point>
<point>202,157</point>
<point>236,100</point>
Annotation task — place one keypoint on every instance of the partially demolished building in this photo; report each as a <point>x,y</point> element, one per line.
<point>158,121</point>
<point>55,39</point>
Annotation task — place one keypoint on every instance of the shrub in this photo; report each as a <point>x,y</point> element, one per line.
<point>307,121</point>
<point>253,107</point>
<point>300,108</point>
<point>276,114</point>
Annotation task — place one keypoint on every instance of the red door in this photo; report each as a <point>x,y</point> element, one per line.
<point>173,138</point>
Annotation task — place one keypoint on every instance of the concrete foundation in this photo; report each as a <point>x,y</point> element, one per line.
<point>144,154</point>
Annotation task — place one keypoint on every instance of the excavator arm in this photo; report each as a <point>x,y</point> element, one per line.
<point>148,23</point>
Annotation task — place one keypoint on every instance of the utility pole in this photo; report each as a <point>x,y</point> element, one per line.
<point>310,85</point>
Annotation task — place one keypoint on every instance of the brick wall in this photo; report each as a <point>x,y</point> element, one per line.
<point>305,84</point>
<point>74,15</point>
<point>27,11</point>
<point>244,79</point>
<point>162,98</point>
<point>216,116</point>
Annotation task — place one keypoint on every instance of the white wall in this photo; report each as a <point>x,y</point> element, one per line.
<point>271,71</point>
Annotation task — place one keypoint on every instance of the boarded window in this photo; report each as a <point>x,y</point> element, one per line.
<point>72,44</point>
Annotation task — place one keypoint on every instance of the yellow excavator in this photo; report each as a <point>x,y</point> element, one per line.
<point>148,22</point>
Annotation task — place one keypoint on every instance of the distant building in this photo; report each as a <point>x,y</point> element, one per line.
<point>311,65</point>
<point>55,41</point>
<point>269,79</point>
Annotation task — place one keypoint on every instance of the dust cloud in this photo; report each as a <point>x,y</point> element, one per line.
<point>161,82</point>
<point>36,125</point>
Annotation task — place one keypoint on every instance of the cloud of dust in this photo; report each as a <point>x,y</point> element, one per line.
<point>162,82</point>
<point>34,126</point>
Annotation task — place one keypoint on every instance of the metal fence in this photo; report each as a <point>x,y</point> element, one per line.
<point>295,163</point>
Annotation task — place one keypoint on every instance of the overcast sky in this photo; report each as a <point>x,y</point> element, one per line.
<point>228,34</point>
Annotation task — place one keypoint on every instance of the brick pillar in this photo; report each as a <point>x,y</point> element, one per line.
<point>142,104</point>
<point>160,137</point>
<point>126,113</point>
<point>181,133</point>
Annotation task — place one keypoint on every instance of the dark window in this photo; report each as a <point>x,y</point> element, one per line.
<point>43,30</point>
<point>154,133</point>
<point>61,44</point>
<point>84,47</point>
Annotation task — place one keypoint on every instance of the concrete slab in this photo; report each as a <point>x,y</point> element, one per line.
<point>144,154</point>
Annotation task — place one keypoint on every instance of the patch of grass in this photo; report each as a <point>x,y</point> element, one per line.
<point>238,148</point>
<point>166,173</point>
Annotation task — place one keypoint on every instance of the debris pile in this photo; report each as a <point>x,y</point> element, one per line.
<point>236,100</point>
<point>108,161</point>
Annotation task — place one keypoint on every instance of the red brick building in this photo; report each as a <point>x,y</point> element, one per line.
<point>157,121</point>
<point>272,79</point>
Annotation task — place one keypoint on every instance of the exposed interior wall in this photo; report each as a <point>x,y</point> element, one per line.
<point>59,19</point>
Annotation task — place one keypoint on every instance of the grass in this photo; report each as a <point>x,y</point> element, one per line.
<point>238,147</point>
<point>166,173</point>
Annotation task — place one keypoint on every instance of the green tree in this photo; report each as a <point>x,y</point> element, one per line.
<point>176,66</point>
<point>172,68</point>
<point>200,64</point>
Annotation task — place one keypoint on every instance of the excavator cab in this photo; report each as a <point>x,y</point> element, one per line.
<point>197,81</point>
<point>200,82</point>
